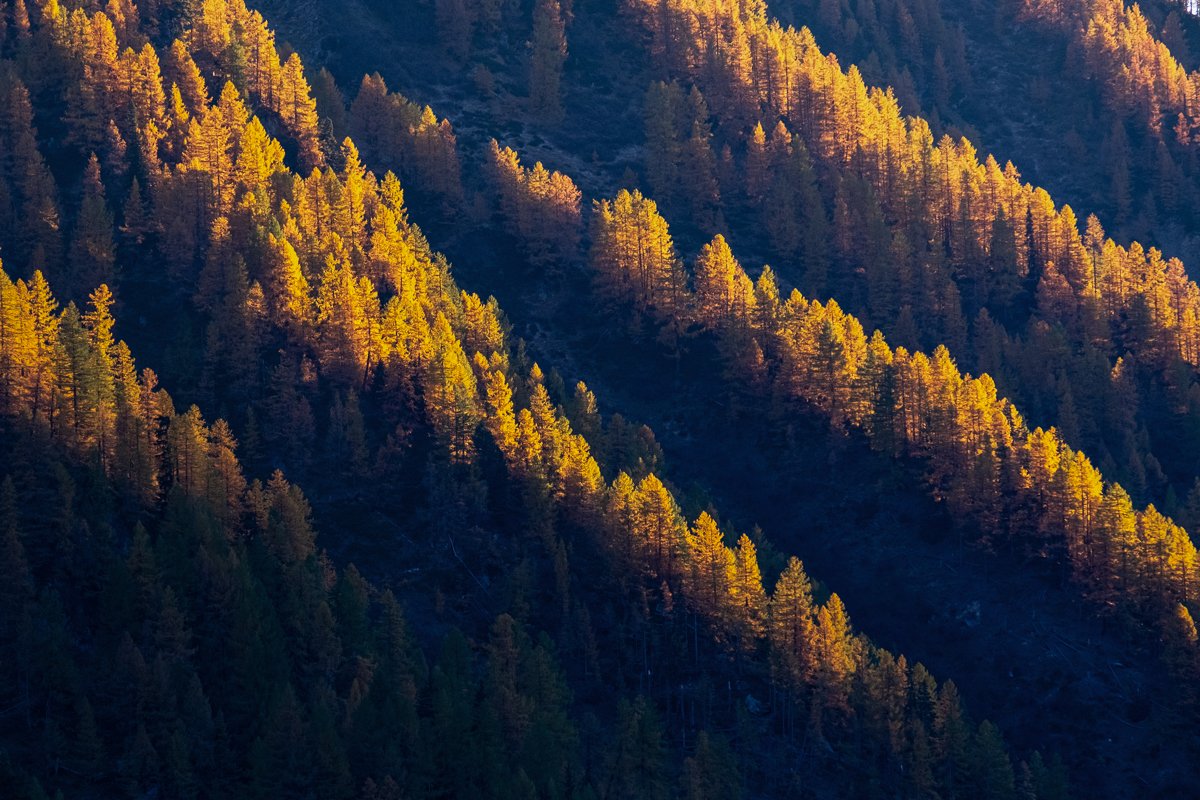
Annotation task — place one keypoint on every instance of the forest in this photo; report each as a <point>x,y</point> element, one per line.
<point>599,399</point>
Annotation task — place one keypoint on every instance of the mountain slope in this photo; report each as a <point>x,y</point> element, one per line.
<point>339,342</point>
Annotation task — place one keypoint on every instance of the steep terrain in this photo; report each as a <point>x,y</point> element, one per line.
<point>174,629</point>
<point>582,616</point>
<point>1094,658</point>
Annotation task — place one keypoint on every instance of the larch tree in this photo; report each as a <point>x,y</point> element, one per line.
<point>711,571</point>
<point>719,283</point>
<point>186,77</point>
<point>451,394</point>
<point>299,112</point>
<point>17,346</point>
<point>749,600</point>
<point>635,256</point>
<point>43,309</point>
<point>659,529</point>
<point>835,660</point>
<point>348,322</point>
<point>757,166</point>
<point>791,629</point>
<point>542,205</point>
<point>500,417</point>
<point>96,388</point>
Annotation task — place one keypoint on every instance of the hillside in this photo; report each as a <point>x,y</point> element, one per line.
<point>566,446</point>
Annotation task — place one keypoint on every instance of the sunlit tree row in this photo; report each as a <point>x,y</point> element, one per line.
<point>919,239</point>
<point>541,205</point>
<point>318,286</point>
<point>99,411</point>
<point>972,232</point>
<point>1016,485</point>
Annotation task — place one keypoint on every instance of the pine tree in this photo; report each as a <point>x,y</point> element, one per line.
<point>711,772</point>
<point>993,778</point>
<point>547,53</point>
<point>637,766</point>
<point>699,165</point>
<point>454,22</point>
<point>663,114</point>
<point>16,588</point>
